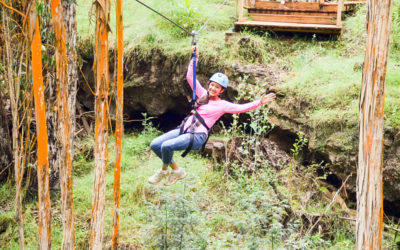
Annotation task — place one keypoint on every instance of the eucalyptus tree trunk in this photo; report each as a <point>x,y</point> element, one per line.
<point>71,34</point>
<point>63,126</point>
<point>13,91</point>
<point>119,126</point>
<point>369,222</point>
<point>102,118</point>
<point>44,209</point>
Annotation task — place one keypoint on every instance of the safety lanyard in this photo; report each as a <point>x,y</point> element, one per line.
<point>194,78</point>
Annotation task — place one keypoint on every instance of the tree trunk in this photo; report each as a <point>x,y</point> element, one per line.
<point>63,127</point>
<point>44,209</point>
<point>13,89</point>
<point>102,114</point>
<point>370,158</point>
<point>119,126</point>
<point>71,33</point>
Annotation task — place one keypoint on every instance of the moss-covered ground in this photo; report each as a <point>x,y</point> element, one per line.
<point>212,208</point>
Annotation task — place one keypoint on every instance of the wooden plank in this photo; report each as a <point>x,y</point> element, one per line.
<point>326,6</point>
<point>290,5</point>
<point>240,10</point>
<point>339,14</point>
<point>294,19</point>
<point>291,27</point>
<point>293,12</point>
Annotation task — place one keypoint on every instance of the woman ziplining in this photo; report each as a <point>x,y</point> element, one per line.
<point>194,130</point>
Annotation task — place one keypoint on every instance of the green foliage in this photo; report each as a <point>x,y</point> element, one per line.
<point>176,222</point>
<point>395,34</point>
<point>300,142</point>
<point>148,126</point>
<point>183,13</point>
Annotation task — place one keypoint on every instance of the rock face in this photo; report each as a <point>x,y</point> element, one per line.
<point>337,147</point>
<point>155,84</point>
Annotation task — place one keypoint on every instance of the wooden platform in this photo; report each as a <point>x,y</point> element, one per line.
<point>291,27</point>
<point>308,17</point>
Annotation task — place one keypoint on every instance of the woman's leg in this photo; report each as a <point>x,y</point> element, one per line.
<point>155,145</point>
<point>179,143</point>
<point>164,146</point>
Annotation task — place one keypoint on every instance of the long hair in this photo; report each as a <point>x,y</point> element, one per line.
<point>204,99</point>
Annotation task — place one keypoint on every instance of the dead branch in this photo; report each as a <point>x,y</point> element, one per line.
<point>330,204</point>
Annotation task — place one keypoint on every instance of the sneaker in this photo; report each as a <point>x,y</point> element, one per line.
<point>157,177</point>
<point>175,176</point>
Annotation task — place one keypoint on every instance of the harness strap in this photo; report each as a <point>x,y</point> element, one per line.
<point>194,78</point>
<point>196,117</point>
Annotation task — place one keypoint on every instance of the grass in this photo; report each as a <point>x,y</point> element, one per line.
<point>143,27</point>
<point>218,211</point>
<point>325,73</point>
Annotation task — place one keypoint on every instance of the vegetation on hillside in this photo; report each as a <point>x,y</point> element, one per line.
<point>216,206</point>
<point>244,202</point>
<point>321,71</point>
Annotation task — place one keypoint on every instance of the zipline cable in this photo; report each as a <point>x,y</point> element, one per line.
<point>193,33</point>
<point>190,33</point>
<point>212,16</point>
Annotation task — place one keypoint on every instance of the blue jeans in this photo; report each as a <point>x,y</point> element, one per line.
<point>165,145</point>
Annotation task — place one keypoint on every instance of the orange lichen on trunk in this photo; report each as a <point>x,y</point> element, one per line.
<point>101,127</point>
<point>44,209</point>
<point>119,125</point>
<point>64,126</point>
<point>369,223</point>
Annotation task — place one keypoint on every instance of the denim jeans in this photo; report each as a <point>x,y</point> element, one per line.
<point>165,145</point>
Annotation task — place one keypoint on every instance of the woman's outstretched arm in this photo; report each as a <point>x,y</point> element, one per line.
<point>234,108</point>
<point>200,90</point>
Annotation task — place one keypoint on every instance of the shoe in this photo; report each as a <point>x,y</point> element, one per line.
<point>157,177</point>
<point>175,176</point>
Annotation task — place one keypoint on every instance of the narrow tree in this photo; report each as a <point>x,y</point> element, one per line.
<point>370,158</point>
<point>119,124</point>
<point>44,209</point>
<point>72,65</point>
<point>13,91</point>
<point>101,126</point>
<point>63,126</point>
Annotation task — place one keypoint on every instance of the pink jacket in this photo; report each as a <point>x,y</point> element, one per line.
<point>213,110</point>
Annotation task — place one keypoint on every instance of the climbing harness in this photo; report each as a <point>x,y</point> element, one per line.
<point>197,120</point>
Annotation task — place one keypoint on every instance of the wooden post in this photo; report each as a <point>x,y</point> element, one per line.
<point>339,13</point>
<point>240,10</point>
<point>369,224</point>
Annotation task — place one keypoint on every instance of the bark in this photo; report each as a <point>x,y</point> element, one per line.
<point>101,124</point>
<point>13,89</point>
<point>71,34</point>
<point>64,127</point>
<point>369,223</point>
<point>118,125</point>
<point>44,209</point>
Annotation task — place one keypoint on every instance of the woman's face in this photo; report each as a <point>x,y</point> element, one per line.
<point>214,89</point>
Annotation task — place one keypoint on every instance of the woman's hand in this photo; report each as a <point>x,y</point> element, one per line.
<point>194,48</point>
<point>267,98</point>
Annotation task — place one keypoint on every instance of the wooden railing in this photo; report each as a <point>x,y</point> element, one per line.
<point>317,12</point>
